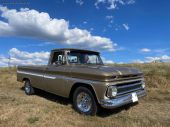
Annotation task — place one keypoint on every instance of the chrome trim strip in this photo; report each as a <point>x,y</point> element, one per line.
<point>49,77</point>
<point>126,81</point>
<point>36,74</point>
<point>129,78</point>
<point>30,73</point>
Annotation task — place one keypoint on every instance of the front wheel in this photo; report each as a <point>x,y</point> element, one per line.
<point>29,90</point>
<point>84,101</point>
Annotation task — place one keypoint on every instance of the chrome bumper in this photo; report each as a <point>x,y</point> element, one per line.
<point>120,101</point>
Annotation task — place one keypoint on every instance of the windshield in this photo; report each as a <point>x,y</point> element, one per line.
<point>84,58</point>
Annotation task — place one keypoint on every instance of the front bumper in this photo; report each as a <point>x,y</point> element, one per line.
<point>120,101</point>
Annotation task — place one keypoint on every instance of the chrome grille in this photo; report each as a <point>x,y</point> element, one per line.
<point>129,87</point>
<point>129,77</point>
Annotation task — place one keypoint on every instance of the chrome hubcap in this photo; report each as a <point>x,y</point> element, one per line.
<point>84,102</point>
<point>27,88</point>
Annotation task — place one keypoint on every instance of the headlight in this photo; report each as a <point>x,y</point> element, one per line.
<point>112,91</point>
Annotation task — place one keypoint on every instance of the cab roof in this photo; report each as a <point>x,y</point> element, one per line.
<point>72,49</point>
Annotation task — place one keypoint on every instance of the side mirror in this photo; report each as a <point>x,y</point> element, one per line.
<point>58,62</point>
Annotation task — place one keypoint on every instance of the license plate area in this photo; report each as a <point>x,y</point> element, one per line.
<point>134,97</point>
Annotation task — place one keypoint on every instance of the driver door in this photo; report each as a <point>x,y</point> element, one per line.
<point>54,76</point>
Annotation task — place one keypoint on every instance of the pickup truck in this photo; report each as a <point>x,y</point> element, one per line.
<point>81,76</point>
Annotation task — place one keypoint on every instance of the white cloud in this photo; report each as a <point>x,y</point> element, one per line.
<point>18,57</point>
<point>113,4</point>
<point>130,1</point>
<point>98,2</point>
<point>164,58</point>
<point>105,61</point>
<point>110,18</point>
<point>15,53</point>
<point>39,25</point>
<point>126,26</point>
<point>84,22</point>
<point>160,58</point>
<point>160,51</point>
<point>3,61</point>
<point>145,50</point>
<point>80,2</point>
<point>120,63</point>
<point>91,29</point>
<point>138,61</point>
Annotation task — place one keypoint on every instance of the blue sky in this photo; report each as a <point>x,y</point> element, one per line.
<point>138,29</point>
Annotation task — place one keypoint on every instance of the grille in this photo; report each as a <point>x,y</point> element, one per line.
<point>129,77</point>
<point>129,87</point>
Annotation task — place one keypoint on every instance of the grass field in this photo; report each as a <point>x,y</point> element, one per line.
<point>47,110</point>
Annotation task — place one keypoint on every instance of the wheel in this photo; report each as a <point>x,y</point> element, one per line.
<point>84,101</point>
<point>29,90</point>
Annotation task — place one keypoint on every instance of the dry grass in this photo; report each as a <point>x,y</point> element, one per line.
<point>43,109</point>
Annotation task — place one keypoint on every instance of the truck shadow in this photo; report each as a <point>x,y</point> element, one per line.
<point>65,101</point>
<point>51,97</point>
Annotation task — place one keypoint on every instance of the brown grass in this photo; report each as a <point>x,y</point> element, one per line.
<point>44,109</point>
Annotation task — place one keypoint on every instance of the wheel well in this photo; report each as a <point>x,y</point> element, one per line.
<point>25,79</point>
<point>76,85</point>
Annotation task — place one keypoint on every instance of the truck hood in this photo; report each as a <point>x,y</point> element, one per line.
<point>117,70</point>
<point>102,72</point>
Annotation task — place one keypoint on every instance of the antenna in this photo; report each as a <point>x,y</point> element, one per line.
<point>9,61</point>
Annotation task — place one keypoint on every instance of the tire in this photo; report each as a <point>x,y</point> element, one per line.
<point>84,101</point>
<point>29,90</point>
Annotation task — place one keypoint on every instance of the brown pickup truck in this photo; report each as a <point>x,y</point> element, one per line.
<point>81,76</point>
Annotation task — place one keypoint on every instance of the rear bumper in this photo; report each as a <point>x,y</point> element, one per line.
<point>123,100</point>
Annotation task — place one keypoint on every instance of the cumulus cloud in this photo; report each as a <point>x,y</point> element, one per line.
<point>84,22</point>
<point>113,4</point>
<point>110,18</point>
<point>18,57</point>
<point>130,1</point>
<point>106,61</point>
<point>91,29</point>
<point>160,51</point>
<point>138,61</point>
<point>80,2</point>
<point>39,25</point>
<point>3,61</point>
<point>163,58</point>
<point>126,26</point>
<point>15,53</point>
<point>145,50</point>
<point>160,58</point>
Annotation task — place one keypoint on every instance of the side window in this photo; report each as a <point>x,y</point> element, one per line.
<point>58,58</point>
<point>72,59</point>
<point>93,59</point>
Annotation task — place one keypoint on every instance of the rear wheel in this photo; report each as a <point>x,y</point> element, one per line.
<point>84,101</point>
<point>29,90</point>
